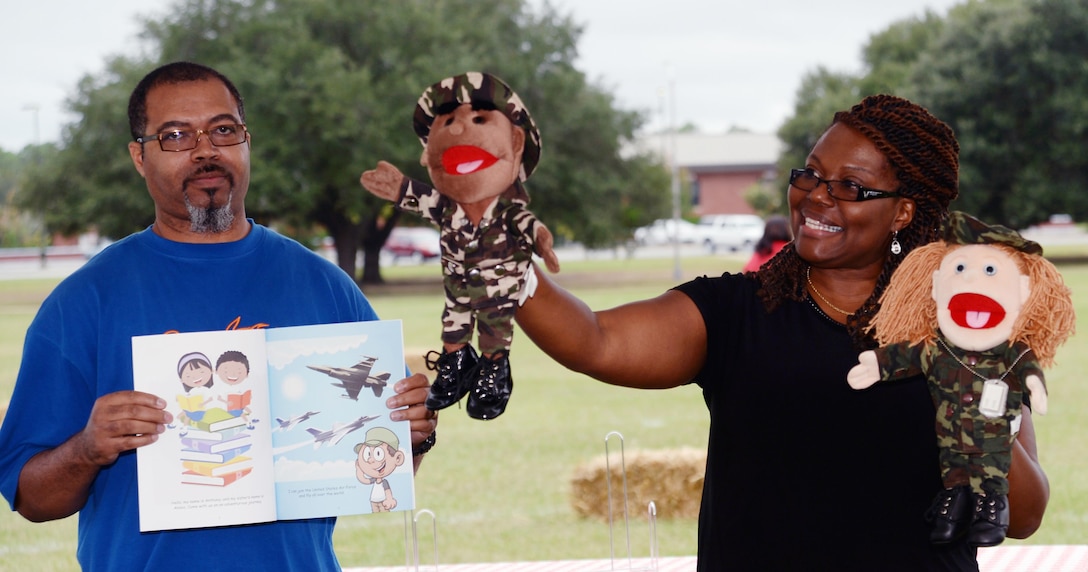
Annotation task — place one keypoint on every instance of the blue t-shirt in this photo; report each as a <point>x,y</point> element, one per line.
<point>78,348</point>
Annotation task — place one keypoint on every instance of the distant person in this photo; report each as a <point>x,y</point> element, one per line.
<point>776,234</point>
<point>794,453</point>
<point>77,454</point>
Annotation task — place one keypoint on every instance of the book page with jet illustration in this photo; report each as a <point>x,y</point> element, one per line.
<point>336,450</point>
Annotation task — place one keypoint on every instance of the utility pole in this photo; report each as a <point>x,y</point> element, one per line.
<point>674,163</point>
<point>35,108</point>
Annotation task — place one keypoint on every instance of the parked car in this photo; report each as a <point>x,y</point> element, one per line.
<point>662,231</point>
<point>415,243</point>
<point>730,232</point>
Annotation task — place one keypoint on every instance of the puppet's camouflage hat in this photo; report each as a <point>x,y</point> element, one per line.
<point>477,87</point>
<point>963,228</point>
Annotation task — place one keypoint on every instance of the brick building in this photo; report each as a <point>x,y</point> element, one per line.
<point>720,168</point>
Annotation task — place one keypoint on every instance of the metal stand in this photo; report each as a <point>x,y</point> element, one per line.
<point>411,542</point>
<point>651,514</point>
<point>411,545</point>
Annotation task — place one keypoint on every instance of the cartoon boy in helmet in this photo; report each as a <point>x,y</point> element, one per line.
<point>376,458</point>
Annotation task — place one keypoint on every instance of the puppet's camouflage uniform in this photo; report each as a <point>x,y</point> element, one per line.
<point>482,267</point>
<point>975,449</point>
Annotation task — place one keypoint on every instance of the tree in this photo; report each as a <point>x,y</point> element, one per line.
<point>92,175</point>
<point>821,94</point>
<point>330,88</point>
<point>892,56</point>
<point>1010,76</point>
<point>1007,75</point>
<point>889,61</point>
<point>12,232</point>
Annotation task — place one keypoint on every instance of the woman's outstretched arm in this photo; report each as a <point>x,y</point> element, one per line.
<point>651,344</point>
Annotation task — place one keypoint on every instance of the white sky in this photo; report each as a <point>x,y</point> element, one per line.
<point>726,62</point>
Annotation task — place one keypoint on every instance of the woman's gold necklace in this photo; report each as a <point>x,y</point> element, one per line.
<point>808,278</point>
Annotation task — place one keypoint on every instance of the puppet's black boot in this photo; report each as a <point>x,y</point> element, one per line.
<point>492,387</point>
<point>950,514</point>
<point>453,376</point>
<point>991,520</point>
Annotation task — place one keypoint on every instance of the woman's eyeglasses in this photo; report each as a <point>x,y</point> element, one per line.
<point>807,181</point>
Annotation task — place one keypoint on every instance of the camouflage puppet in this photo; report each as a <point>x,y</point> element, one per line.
<point>996,315</point>
<point>479,146</point>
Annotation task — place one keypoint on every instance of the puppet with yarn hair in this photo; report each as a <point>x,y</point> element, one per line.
<point>996,314</point>
<point>479,146</point>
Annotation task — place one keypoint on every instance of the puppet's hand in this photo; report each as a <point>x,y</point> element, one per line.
<point>866,373</point>
<point>1038,394</point>
<point>543,242</point>
<point>529,288</point>
<point>383,181</point>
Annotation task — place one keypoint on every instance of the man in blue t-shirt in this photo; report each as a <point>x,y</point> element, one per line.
<point>68,441</point>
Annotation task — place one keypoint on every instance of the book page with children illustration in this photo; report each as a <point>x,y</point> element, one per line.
<point>213,465</point>
<point>273,424</point>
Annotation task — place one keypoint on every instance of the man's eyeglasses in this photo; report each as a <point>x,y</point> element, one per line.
<point>807,181</point>
<point>186,139</point>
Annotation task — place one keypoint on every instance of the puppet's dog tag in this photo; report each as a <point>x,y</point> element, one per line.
<point>994,393</point>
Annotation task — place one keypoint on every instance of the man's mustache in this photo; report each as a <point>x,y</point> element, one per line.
<point>209,168</point>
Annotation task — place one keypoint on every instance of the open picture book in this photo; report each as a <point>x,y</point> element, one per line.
<point>273,424</point>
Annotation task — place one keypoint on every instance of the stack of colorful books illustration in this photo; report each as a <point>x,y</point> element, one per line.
<point>213,449</point>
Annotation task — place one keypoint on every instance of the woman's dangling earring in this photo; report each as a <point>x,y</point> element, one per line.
<point>896,247</point>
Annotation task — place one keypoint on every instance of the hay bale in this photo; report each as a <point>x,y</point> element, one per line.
<point>672,479</point>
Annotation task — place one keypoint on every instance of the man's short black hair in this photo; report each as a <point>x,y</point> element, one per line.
<point>173,73</point>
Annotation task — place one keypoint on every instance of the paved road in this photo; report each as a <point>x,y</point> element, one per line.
<point>20,268</point>
<point>23,268</point>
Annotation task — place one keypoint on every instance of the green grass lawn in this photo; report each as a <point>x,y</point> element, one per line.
<point>499,489</point>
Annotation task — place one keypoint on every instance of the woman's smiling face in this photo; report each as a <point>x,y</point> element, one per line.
<point>837,233</point>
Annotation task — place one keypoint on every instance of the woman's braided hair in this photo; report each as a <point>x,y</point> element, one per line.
<point>924,154</point>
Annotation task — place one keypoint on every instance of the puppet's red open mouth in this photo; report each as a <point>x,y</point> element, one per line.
<point>465,159</point>
<point>975,311</point>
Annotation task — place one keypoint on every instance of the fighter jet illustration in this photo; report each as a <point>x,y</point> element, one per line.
<point>287,425</point>
<point>353,378</point>
<point>338,431</point>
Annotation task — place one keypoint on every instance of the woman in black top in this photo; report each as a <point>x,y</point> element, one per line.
<point>803,473</point>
